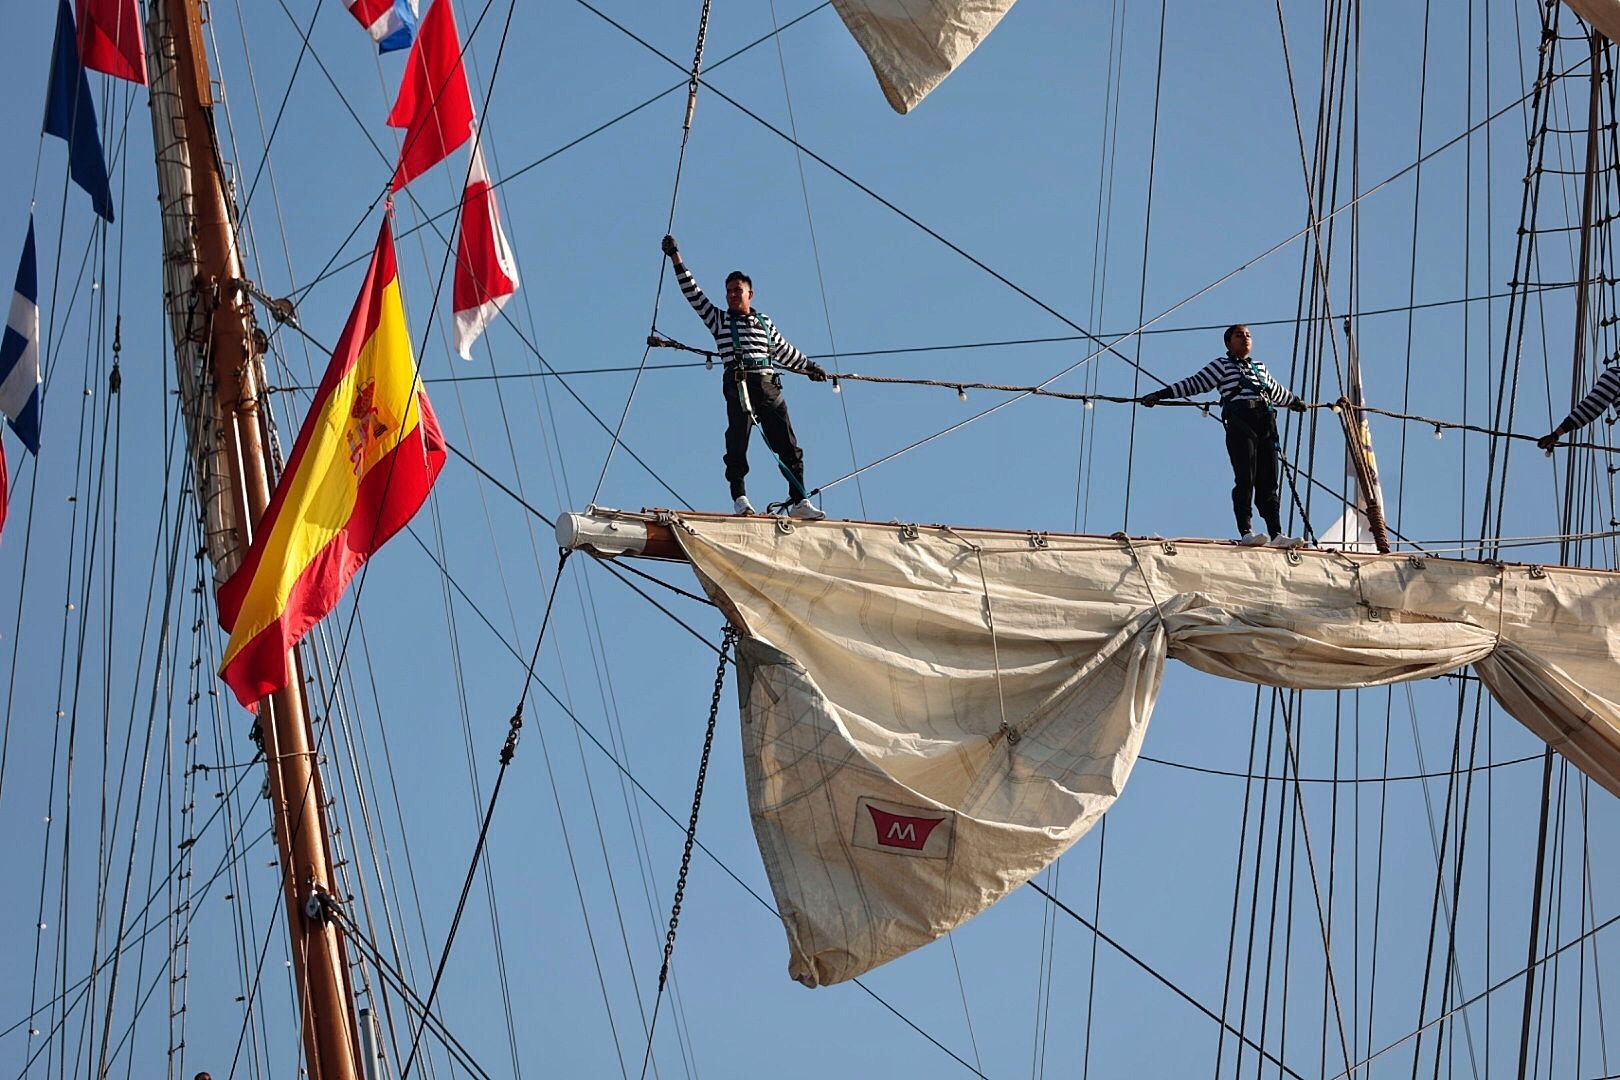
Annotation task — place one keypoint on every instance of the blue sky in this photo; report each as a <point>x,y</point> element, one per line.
<point>1035,160</point>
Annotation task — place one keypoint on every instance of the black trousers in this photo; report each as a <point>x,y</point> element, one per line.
<point>765,393</point>
<point>1251,443</point>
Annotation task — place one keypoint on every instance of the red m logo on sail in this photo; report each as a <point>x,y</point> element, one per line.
<point>902,830</point>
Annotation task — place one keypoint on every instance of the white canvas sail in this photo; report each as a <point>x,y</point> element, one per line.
<point>1603,15</point>
<point>1351,532</point>
<point>930,716</point>
<point>914,44</point>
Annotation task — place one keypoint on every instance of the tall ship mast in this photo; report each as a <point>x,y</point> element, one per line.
<point>1022,759</point>
<point>220,367</point>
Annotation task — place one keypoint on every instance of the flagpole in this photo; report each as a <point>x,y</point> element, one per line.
<point>221,378</point>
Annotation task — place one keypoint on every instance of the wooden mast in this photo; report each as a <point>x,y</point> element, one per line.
<point>218,351</point>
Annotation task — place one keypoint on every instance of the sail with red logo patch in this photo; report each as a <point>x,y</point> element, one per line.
<point>931,715</point>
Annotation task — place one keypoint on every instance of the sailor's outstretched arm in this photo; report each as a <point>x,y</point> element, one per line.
<point>1205,378</point>
<point>1588,409</point>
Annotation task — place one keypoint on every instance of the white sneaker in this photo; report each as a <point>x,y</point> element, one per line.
<point>1253,539</point>
<point>741,505</point>
<point>805,510</point>
<point>1283,540</point>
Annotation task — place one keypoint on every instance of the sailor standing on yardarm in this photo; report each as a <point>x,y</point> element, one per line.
<point>1248,395</point>
<point>750,345</point>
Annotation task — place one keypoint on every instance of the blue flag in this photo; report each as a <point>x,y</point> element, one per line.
<point>401,25</point>
<point>70,114</point>
<point>19,351</point>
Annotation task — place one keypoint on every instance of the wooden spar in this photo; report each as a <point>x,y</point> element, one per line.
<point>1358,444</point>
<point>608,534</point>
<point>218,351</point>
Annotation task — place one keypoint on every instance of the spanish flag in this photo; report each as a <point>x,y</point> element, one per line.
<point>364,461</point>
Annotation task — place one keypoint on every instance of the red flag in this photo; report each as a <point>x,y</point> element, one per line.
<point>486,273</point>
<point>110,38</point>
<point>435,105</point>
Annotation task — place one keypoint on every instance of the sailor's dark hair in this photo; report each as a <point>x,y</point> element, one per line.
<point>1226,338</point>
<point>738,275</point>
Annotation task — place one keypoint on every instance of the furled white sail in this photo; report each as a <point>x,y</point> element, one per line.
<point>1604,15</point>
<point>914,44</point>
<point>1356,529</point>
<point>930,715</point>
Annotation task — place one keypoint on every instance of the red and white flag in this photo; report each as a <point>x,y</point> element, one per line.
<point>486,273</point>
<point>435,104</point>
<point>110,38</point>
<point>391,23</point>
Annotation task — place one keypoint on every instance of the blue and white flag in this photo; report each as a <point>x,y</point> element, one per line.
<point>19,351</point>
<point>70,114</point>
<point>391,23</point>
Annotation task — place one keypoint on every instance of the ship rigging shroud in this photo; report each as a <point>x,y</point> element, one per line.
<point>931,715</point>
<point>903,823</point>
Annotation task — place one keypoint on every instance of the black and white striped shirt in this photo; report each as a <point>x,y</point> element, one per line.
<point>762,344</point>
<point>1234,380</point>
<point>1600,397</point>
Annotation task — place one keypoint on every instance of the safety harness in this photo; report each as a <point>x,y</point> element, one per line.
<point>751,363</point>
<point>1249,378</point>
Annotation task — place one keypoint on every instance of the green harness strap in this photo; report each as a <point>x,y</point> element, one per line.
<point>1249,377</point>
<point>762,321</point>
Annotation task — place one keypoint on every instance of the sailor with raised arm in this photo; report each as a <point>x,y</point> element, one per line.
<point>1605,393</point>
<point>750,349</point>
<point>1248,395</point>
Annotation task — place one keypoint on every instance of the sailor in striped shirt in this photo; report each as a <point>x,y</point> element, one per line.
<point>1248,394</point>
<point>1588,409</point>
<point>750,346</point>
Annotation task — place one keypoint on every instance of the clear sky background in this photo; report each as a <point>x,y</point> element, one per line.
<point>1038,159</point>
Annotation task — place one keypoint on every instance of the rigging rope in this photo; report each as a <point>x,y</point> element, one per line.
<point>952,385</point>
<point>508,749</point>
<point>1141,288</point>
<point>1162,979</point>
<point>338,664</point>
<point>815,249</point>
<point>625,772</point>
<point>699,844</point>
<point>669,227</point>
<point>962,386</point>
<point>332,267</point>
<point>726,641</point>
<point>402,985</point>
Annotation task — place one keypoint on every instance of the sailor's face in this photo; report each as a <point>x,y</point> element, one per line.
<point>1239,342</point>
<point>739,296</point>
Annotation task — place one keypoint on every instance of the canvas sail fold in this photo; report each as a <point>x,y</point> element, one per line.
<point>1602,15</point>
<point>914,44</point>
<point>931,716</point>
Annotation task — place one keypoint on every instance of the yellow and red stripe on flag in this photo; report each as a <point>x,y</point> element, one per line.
<point>364,461</point>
